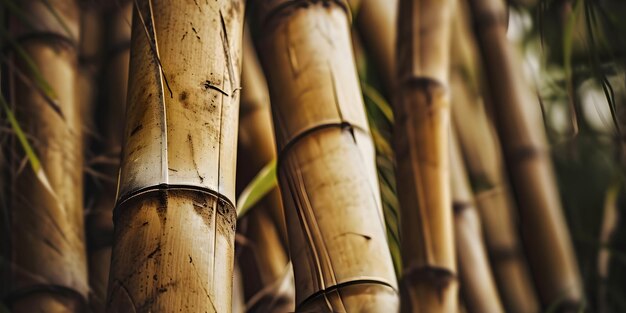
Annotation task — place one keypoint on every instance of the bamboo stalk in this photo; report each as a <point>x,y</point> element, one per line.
<point>477,284</point>
<point>175,220</point>
<point>519,123</point>
<point>326,166</point>
<point>376,22</point>
<point>493,199</point>
<point>263,258</point>
<point>421,133</point>
<point>114,82</point>
<point>256,136</point>
<point>480,147</point>
<point>47,248</point>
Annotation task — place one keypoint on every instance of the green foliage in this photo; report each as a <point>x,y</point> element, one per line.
<point>258,188</point>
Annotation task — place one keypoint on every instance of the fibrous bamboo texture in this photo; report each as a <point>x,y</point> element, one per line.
<point>326,166</point>
<point>110,125</point>
<point>263,260</point>
<point>175,220</point>
<point>422,118</point>
<point>47,235</point>
<point>477,284</point>
<point>520,125</point>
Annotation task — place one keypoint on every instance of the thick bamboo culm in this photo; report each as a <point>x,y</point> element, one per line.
<point>47,250</point>
<point>326,166</point>
<point>478,287</point>
<point>421,135</point>
<point>376,22</point>
<point>481,150</point>
<point>263,260</point>
<point>109,123</point>
<point>522,135</point>
<point>175,217</point>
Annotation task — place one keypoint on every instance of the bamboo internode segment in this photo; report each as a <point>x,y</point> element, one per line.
<point>109,122</point>
<point>47,248</point>
<point>175,219</point>
<point>421,137</point>
<point>326,164</point>
<point>520,125</point>
<point>477,284</point>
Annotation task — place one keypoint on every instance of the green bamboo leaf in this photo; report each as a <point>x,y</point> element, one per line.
<point>30,152</point>
<point>380,102</point>
<point>21,137</point>
<point>260,186</point>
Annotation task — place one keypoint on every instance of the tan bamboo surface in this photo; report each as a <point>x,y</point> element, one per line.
<point>109,121</point>
<point>263,259</point>
<point>326,166</point>
<point>421,135</point>
<point>376,22</point>
<point>481,151</point>
<point>47,248</point>
<point>175,217</point>
<point>522,135</point>
<point>478,286</point>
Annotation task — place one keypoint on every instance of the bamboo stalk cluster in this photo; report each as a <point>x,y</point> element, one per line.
<point>318,242</point>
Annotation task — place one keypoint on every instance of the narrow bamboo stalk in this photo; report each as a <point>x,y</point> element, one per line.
<point>109,122</point>
<point>421,137</point>
<point>263,259</point>
<point>175,220</point>
<point>376,22</point>
<point>520,125</point>
<point>47,252</point>
<point>256,136</point>
<point>477,284</point>
<point>494,200</point>
<point>326,166</point>
<point>480,147</point>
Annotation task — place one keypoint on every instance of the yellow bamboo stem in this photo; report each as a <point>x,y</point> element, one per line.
<point>175,217</point>
<point>47,251</point>
<point>421,135</point>
<point>326,166</point>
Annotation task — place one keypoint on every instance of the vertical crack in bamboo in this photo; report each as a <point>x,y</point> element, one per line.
<point>421,138</point>
<point>520,125</point>
<point>337,240</point>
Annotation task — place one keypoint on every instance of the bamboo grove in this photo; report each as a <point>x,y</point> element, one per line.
<point>312,156</point>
